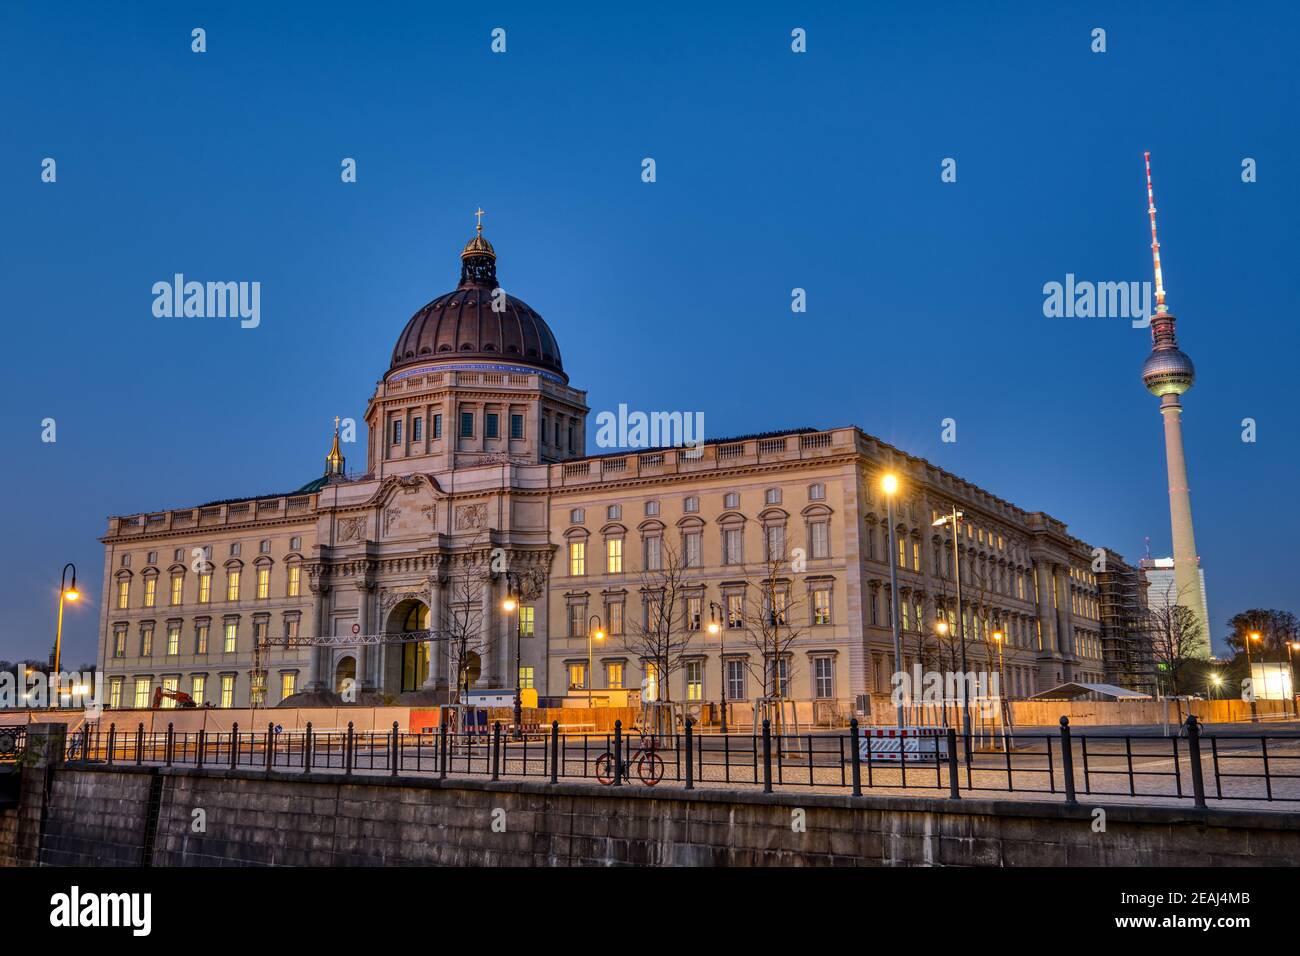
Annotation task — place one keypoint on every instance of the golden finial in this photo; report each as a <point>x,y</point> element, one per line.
<point>334,461</point>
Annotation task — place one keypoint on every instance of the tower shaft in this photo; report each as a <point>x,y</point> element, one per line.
<point>1187,577</point>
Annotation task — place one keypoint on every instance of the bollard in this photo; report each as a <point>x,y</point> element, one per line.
<point>1067,760</point>
<point>396,743</point>
<point>306,750</point>
<point>618,753</point>
<point>856,758</point>
<point>496,751</point>
<point>442,750</point>
<point>112,741</point>
<point>767,756</point>
<point>555,751</point>
<point>270,745</point>
<point>198,760</point>
<point>168,743</point>
<point>347,750</point>
<point>139,744</point>
<point>690,755</point>
<point>1194,752</point>
<point>234,744</point>
<point>953,792</point>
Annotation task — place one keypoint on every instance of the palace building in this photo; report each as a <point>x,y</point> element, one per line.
<point>478,485</point>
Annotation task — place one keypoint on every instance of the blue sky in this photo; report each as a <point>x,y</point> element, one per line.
<point>774,170</point>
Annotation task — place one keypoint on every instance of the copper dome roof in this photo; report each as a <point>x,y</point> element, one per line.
<point>462,326</point>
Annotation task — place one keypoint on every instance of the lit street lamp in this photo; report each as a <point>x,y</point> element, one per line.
<point>598,635</point>
<point>72,594</point>
<point>511,606</point>
<point>1215,681</point>
<point>998,638</point>
<point>890,486</point>
<point>955,520</point>
<point>716,629</point>
<point>1250,673</point>
<point>1290,665</point>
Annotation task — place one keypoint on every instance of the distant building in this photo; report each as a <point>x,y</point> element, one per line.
<point>1127,651</point>
<point>1162,581</point>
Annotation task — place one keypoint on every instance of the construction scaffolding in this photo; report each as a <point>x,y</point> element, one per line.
<point>1127,656</point>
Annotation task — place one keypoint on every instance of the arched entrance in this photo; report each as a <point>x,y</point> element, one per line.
<point>345,673</point>
<point>407,664</point>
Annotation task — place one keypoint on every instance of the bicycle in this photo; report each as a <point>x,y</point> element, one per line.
<point>649,765</point>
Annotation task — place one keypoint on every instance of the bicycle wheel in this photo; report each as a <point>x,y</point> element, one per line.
<point>605,768</point>
<point>650,768</point>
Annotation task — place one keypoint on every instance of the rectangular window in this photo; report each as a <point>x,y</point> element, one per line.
<point>614,555</point>
<point>916,556</point>
<point>150,590</point>
<point>141,693</point>
<point>291,626</point>
<point>694,680</point>
<point>264,546</point>
<point>417,429</point>
<point>614,675</point>
<point>232,585</point>
<point>817,492</point>
<point>731,546</point>
<point>227,690</point>
<point>902,552</point>
<point>146,641</point>
<point>232,633</point>
<point>173,640</point>
<point>205,588</point>
<point>821,606</point>
<point>516,426</point>
<point>259,632</point>
<point>466,424</point>
<point>171,684</point>
<point>115,692</point>
<point>577,676</point>
<point>198,683</point>
<point>577,620</point>
<point>257,688</point>
<point>397,432</point>
<point>694,611</point>
<point>691,504</point>
<point>437,426</point>
<point>263,583</point>
<point>823,677</point>
<point>178,585</point>
<point>200,639</point>
<point>288,680</point>
<point>651,509</point>
<point>782,677</point>
<point>735,680</point>
<point>735,610</point>
<point>654,553</point>
<point>577,558</point>
<point>295,580</point>
<point>651,682</point>
<point>614,612</point>
<point>119,642</point>
<point>526,678</point>
<point>820,543</point>
<point>692,543</point>
<point>527,620</point>
<point>491,425</point>
<point>775,538</point>
<point>123,593</point>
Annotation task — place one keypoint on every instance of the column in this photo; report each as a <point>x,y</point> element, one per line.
<point>364,680</point>
<point>316,679</point>
<point>437,650</point>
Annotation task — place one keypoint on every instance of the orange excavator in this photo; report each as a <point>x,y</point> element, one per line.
<point>182,699</point>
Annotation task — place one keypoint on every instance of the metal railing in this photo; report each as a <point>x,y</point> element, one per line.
<point>1200,768</point>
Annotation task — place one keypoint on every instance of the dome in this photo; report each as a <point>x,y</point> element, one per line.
<point>461,325</point>
<point>1168,371</point>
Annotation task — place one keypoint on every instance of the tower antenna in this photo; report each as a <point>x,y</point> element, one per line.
<point>1155,243</point>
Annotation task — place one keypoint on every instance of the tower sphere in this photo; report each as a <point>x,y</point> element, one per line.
<point>1168,371</point>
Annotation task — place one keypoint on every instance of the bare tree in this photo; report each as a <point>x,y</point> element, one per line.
<point>1177,640</point>
<point>773,617</point>
<point>469,576</point>
<point>661,635</point>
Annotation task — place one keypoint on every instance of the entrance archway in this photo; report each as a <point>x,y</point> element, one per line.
<point>406,665</point>
<point>345,673</point>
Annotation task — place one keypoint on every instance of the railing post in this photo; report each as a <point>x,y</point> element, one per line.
<point>618,753</point>
<point>347,750</point>
<point>442,747</point>
<point>1067,760</point>
<point>555,751</point>
<point>270,745</point>
<point>1194,753</point>
<point>690,754</point>
<point>306,750</point>
<point>395,746</point>
<point>954,792</point>
<point>198,761</point>
<point>234,744</point>
<point>139,744</point>
<point>855,757</point>
<point>112,741</point>
<point>496,751</point>
<point>168,742</point>
<point>767,755</point>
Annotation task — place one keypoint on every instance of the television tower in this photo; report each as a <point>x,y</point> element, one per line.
<point>1167,373</point>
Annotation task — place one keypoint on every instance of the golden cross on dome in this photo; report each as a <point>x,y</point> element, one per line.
<point>480,214</point>
<point>336,423</point>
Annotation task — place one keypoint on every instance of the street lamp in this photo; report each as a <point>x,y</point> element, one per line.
<point>890,485</point>
<point>1215,681</point>
<point>599,635</point>
<point>1250,673</point>
<point>72,594</point>
<point>998,639</point>
<point>1290,666</point>
<point>716,629</point>
<point>955,519</point>
<point>511,606</point>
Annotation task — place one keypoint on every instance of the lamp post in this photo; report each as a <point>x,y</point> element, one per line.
<point>598,635</point>
<point>72,594</point>
<point>511,606</point>
<point>1252,636</point>
<point>1215,681</point>
<point>1290,666</point>
<point>955,519</point>
<point>890,485</point>
<point>998,639</point>
<point>715,628</point>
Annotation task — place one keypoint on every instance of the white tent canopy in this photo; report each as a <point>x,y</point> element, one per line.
<point>1072,690</point>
